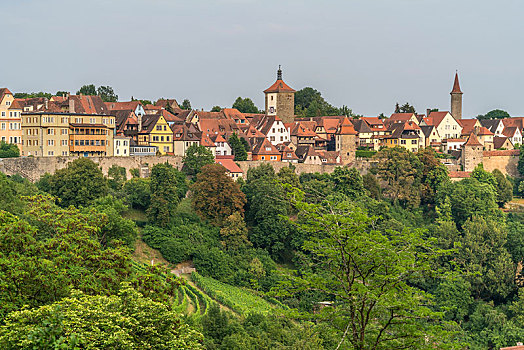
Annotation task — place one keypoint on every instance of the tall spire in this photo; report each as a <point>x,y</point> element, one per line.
<point>456,85</point>
<point>279,73</point>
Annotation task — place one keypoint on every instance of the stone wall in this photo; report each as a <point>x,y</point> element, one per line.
<point>506,161</point>
<point>33,167</point>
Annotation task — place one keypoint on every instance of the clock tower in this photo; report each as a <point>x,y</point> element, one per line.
<point>280,99</point>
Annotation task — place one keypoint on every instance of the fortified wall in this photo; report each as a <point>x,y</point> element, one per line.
<point>32,168</point>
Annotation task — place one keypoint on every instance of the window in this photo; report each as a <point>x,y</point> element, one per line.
<point>273,158</point>
<point>92,121</point>
<point>159,127</point>
<point>50,142</point>
<point>402,142</point>
<point>263,158</point>
<point>273,138</point>
<point>63,131</point>
<point>117,151</point>
<point>64,142</point>
<point>3,126</point>
<point>268,148</point>
<point>162,138</point>
<point>3,114</point>
<point>50,131</point>
<point>50,153</point>
<point>413,142</point>
<point>165,127</point>
<point>64,153</point>
<point>166,148</point>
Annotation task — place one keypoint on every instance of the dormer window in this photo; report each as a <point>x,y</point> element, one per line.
<point>268,148</point>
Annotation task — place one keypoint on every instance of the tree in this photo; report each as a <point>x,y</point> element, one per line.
<point>61,93</point>
<point>107,94</point>
<point>9,150</point>
<point>433,175</point>
<point>245,105</point>
<point>116,227</point>
<point>400,170</point>
<point>485,260</point>
<point>32,94</point>
<point>504,188</point>
<point>234,233</point>
<point>216,196</point>
<point>348,181</point>
<point>138,193</point>
<point>237,147</point>
<point>186,104</point>
<point>371,185</point>
<point>370,278</point>
<point>215,109</point>
<point>494,114</point>
<point>405,108</point>
<point>88,90</point>
<point>309,102</point>
<point>79,184</point>
<point>164,194</point>
<point>100,322</point>
<point>196,157</point>
<point>116,175</point>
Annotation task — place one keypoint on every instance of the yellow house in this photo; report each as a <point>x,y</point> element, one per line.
<point>156,132</point>
<point>10,119</point>
<point>407,135</point>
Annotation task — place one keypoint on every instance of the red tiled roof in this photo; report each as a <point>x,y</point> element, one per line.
<point>455,140</point>
<point>456,85</point>
<point>507,152</point>
<point>435,118</point>
<point>473,140</point>
<point>484,131</point>
<point>459,174</point>
<point>3,92</point>
<point>467,125</point>
<point>122,105</point>
<point>401,116</point>
<point>510,131</point>
<point>346,128</point>
<point>229,164</point>
<point>279,86</point>
<point>206,141</point>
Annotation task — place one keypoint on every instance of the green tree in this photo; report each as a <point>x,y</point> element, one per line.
<point>89,90</point>
<point>216,109</point>
<point>164,194</point>
<point>234,233</point>
<point>503,187</point>
<point>405,108</point>
<point>309,102</point>
<point>116,175</point>
<point>107,94</point>
<point>371,185</point>
<point>116,226</point>
<point>127,320</point>
<point>61,93</point>
<point>185,104</point>
<point>375,303</point>
<point>348,181</point>
<point>245,105</point>
<point>433,175</point>
<point>32,94</point>
<point>494,114</point>
<point>9,150</point>
<point>237,147</point>
<point>196,157</point>
<point>401,171</point>
<point>138,193</point>
<point>485,260</point>
<point>79,184</point>
<point>216,196</point>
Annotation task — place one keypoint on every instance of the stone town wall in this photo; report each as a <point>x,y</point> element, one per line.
<point>506,161</point>
<point>33,167</point>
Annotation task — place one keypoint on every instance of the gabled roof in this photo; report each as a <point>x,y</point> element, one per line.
<point>251,131</point>
<point>87,104</point>
<point>229,164</point>
<point>456,85</point>
<point>435,118</point>
<point>279,86</point>
<point>491,124</point>
<point>148,123</point>
<point>482,131</point>
<point>498,142</point>
<point>206,141</point>
<point>233,113</point>
<point>510,131</point>
<point>468,125</point>
<point>514,121</point>
<point>361,126</point>
<point>260,145</point>
<point>3,92</point>
<point>303,129</point>
<point>427,130</point>
<point>123,105</point>
<point>401,117</point>
<point>265,123</point>
<point>184,132</point>
<point>217,138</point>
<point>164,102</point>
<point>473,140</point>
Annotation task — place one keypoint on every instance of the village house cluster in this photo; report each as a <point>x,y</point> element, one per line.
<point>78,125</point>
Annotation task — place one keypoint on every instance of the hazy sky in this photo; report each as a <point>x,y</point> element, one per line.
<point>366,54</point>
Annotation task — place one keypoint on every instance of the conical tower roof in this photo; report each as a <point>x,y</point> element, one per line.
<point>456,85</point>
<point>473,140</point>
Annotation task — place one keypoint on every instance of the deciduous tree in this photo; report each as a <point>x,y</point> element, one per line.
<point>164,194</point>
<point>196,157</point>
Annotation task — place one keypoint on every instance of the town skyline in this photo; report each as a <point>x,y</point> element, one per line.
<point>213,52</point>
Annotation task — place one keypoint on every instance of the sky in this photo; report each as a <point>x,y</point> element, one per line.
<point>366,54</point>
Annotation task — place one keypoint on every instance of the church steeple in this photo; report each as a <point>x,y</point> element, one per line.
<point>456,99</point>
<point>279,73</point>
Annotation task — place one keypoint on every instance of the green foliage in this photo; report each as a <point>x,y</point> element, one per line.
<point>116,175</point>
<point>373,291</point>
<point>245,105</point>
<point>504,188</point>
<point>89,90</point>
<point>196,157</point>
<point>371,185</point>
<point>234,233</point>
<point>237,147</point>
<point>361,153</point>
<point>127,320</point>
<point>79,184</point>
<point>216,109</point>
<point>310,103</point>
<point>348,181</point>
<point>405,108</point>
<point>107,94</point>
<point>185,104</point>
<point>134,172</point>
<point>494,114</point>
<point>8,150</point>
<point>216,196</point>
<point>138,193</point>
<point>164,194</point>
<point>116,226</point>
<point>32,94</point>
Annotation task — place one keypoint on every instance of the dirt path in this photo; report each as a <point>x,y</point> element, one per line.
<point>147,255</point>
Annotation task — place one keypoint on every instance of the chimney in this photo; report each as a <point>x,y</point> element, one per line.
<point>427,112</point>
<point>71,105</point>
<point>46,102</point>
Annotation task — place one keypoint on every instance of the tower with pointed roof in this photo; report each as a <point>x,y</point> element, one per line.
<point>346,140</point>
<point>280,99</point>
<point>456,99</point>
<point>472,153</point>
